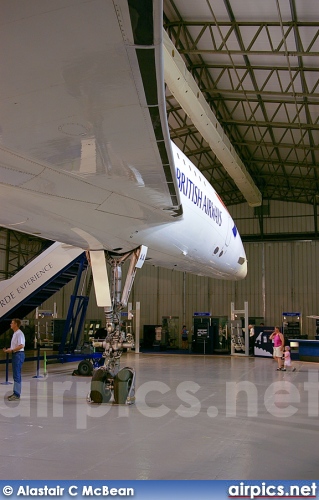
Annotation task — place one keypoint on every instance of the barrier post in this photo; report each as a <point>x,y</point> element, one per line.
<point>38,364</point>
<point>45,363</point>
<point>7,371</point>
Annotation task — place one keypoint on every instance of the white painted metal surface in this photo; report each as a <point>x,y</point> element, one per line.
<point>101,280</point>
<point>82,154</point>
<point>38,272</point>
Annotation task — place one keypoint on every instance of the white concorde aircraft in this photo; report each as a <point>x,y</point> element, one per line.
<point>85,153</point>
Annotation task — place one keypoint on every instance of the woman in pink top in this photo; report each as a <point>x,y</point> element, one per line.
<point>279,342</point>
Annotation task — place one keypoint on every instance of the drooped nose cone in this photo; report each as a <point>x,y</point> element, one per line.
<point>242,267</point>
<point>241,261</point>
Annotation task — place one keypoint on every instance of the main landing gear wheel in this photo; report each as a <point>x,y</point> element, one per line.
<point>100,386</point>
<point>122,386</point>
<point>85,367</point>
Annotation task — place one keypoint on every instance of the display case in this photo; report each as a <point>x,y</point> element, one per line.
<point>291,325</point>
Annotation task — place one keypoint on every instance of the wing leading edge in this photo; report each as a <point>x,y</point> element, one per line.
<point>85,154</point>
<point>83,113</point>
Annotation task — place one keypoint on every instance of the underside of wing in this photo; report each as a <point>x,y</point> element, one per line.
<point>83,119</point>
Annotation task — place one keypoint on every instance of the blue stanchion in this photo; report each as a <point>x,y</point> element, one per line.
<point>38,365</point>
<point>7,372</point>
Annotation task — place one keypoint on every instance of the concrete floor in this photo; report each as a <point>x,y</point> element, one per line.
<point>190,421</point>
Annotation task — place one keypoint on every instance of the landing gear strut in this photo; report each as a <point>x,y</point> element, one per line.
<point>109,379</point>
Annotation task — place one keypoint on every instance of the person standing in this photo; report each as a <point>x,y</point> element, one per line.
<point>279,343</point>
<point>287,360</point>
<point>251,330</point>
<point>184,337</point>
<point>17,349</point>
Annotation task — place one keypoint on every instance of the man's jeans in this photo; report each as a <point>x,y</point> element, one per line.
<point>17,362</point>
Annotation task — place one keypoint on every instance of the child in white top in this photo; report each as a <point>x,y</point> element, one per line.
<point>287,360</point>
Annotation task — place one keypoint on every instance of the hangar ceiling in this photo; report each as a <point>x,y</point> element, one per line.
<point>256,62</point>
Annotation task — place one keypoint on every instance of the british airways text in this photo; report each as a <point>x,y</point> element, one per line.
<point>193,193</point>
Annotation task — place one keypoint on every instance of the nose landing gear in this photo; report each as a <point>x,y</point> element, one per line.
<point>109,379</point>
<point>122,386</point>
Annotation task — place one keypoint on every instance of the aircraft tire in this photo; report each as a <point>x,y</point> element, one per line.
<point>122,386</point>
<point>99,393</point>
<point>85,367</point>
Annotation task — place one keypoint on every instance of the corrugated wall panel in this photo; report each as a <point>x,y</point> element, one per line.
<point>289,218</point>
<point>197,292</point>
<point>146,291</point>
<point>292,280</point>
<point>306,281</point>
<point>283,218</point>
<point>282,276</point>
<point>244,218</point>
<point>277,281</point>
<point>219,294</point>
<point>170,293</point>
<point>246,290</point>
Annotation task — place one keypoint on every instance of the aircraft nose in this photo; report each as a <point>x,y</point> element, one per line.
<point>242,267</point>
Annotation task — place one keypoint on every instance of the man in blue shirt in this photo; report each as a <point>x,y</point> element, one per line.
<point>17,349</point>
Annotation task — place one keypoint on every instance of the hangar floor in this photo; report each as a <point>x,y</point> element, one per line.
<point>189,422</point>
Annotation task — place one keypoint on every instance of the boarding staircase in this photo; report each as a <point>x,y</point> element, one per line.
<point>38,281</point>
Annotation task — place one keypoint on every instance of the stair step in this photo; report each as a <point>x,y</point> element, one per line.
<point>44,293</point>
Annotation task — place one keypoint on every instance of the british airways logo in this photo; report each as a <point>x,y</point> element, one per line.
<point>195,194</point>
